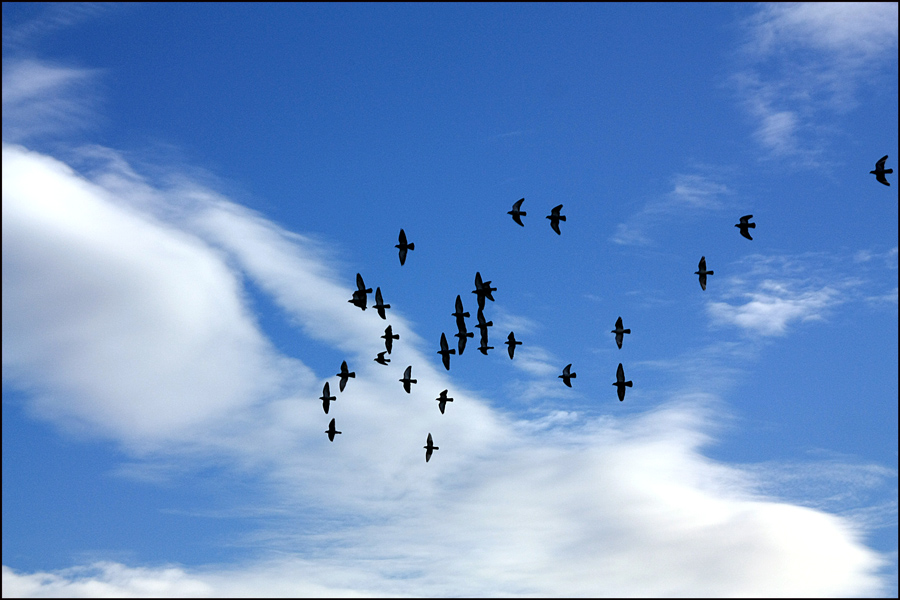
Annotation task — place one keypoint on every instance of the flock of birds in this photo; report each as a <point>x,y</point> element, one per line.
<point>483,291</point>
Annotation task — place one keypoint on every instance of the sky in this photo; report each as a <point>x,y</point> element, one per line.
<point>189,191</point>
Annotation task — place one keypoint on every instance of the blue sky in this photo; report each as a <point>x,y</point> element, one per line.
<point>189,191</point>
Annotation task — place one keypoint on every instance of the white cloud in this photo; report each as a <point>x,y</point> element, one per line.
<point>768,310</point>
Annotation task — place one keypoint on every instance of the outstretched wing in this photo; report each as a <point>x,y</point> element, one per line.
<point>517,205</point>
<point>402,238</point>
<point>619,337</point>
<point>620,374</point>
<point>880,164</point>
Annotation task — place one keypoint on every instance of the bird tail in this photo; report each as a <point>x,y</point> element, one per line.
<point>888,170</point>
<point>751,225</point>
<point>626,331</point>
<point>710,272</point>
<point>573,375</point>
<point>412,246</point>
<point>562,217</point>
<point>628,384</point>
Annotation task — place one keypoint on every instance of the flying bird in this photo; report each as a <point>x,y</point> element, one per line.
<point>745,226</point>
<point>483,290</point>
<point>512,343</point>
<point>429,448</point>
<point>331,431</point>
<point>620,382</point>
<point>445,352</point>
<point>379,304</point>
<point>619,331</point>
<point>406,378</point>
<point>880,171</point>
<point>483,348</point>
<point>389,337</point>
<point>344,375</point>
<point>459,314</point>
<point>703,273</point>
<point>567,375</point>
<point>380,359</point>
<point>403,246</point>
<point>555,218</point>
<point>443,400</point>
<point>326,397</point>
<point>517,212</point>
<point>359,296</point>
<point>483,325</point>
<point>462,335</point>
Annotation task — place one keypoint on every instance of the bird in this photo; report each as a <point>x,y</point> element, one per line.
<point>512,343</point>
<point>482,324</point>
<point>407,374</point>
<point>459,314</point>
<point>703,273</point>
<point>462,335</point>
<point>443,400</point>
<point>483,290</point>
<point>344,375</point>
<point>517,212</point>
<point>389,337</point>
<point>745,226</point>
<point>880,171</point>
<point>429,448</point>
<point>483,348</point>
<point>555,218</point>
<point>359,296</point>
<point>379,304</point>
<point>620,382</point>
<point>326,397</point>
<point>445,352</point>
<point>331,431</point>
<point>567,375</point>
<point>380,359</point>
<point>619,331</point>
<point>403,246</point>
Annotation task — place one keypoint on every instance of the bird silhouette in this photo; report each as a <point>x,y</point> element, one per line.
<point>512,343</point>
<point>406,379</point>
<point>620,382</point>
<point>483,290</point>
<point>567,375</point>
<point>483,325</point>
<point>331,431</point>
<point>619,331</point>
<point>429,448</point>
<point>359,296</point>
<point>462,335</point>
<point>555,218</point>
<point>483,348</point>
<point>459,314</point>
<point>745,226</point>
<point>445,352</point>
<point>380,359</point>
<point>389,337</point>
<point>344,375</point>
<point>517,212</point>
<point>326,397</point>
<point>703,273</point>
<point>379,304</point>
<point>880,170</point>
<point>403,246</point>
<point>443,400</point>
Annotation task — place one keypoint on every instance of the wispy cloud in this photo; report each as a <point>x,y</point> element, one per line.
<point>47,18</point>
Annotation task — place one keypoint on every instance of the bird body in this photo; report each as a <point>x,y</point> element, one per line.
<point>555,218</point>
<point>344,375</point>
<point>445,352</point>
<point>407,378</point>
<point>619,331</point>
<point>389,337</point>
<point>380,359</point>
<point>331,431</point>
<point>512,343</point>
<point>567,375</point>
<point>880,171</point>
<point>462,335</point>
<point>359,296</point>
<point>404,246</point>
<point>443,400</point>
<point>379,304</point>
<point>483,348</point>
<point>745,226</point>
<point>703,273</point>
<point>483,290</point>
<point>517,212</point>
<point>459,314</point>
<point>326,397</point>
<point>429,448</point>
<point>620,382</point>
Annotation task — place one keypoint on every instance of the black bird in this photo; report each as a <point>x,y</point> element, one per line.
<point>620,382</point>
<point>703,273</point>
<point>331,431</point>
<point>462,335</point>
<point>443,400</point>
<point>512,343</point>
<point>880,171</point>
<point>389,337</point>
<point>619,331</point>
<point>483,325</point>
<point>567,375</point>
<point>379,304</point>
<point>517,212</point>
<point>459,314</point>
<point>327,398</point>
<point>404,247</point>
<point>359,296</point>
<point>406,378</point>
<point>445,352</point>
<point>555,218</point>
<point>344,375</point>
<point>381,359</point>
<point>483,290</point>
<point>745,226</point>
<point>483,348</point>
<point>429,448</point>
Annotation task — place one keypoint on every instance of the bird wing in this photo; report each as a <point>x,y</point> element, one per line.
<point>703,281</point>
<point>702,265</point>
<point>556,210</point>
<point>360,284</point>
<point>882,179</point>
<point>402,238</point>
<point>881,160</point>
<point>619,337</point>
<point>407,374</point>
<point>566,369</point>
<point>620,373</point>
<point>555,226</point>
<point>517,205</point>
